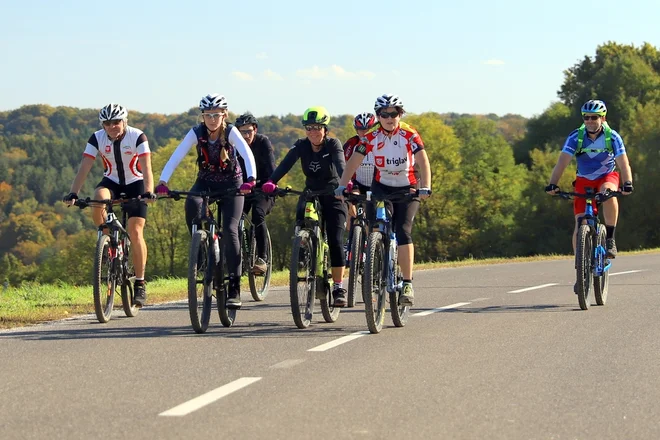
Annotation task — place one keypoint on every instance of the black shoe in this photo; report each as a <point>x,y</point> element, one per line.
<point>575,288</point>
<point>139,293</point>
<point>339,296</point>
<point>610,244</point>
<point>234,295</point>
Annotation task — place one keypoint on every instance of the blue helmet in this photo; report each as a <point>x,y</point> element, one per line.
<point>594,106</point>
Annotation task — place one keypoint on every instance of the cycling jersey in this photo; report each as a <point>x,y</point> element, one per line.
<point>394,155</point>
<point>262,150</point>
<point>595,159</point>
<point>365,174</point>
<point>120,157</point>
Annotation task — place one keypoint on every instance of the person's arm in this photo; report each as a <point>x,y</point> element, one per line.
<point>558,170</point>
<point>624,165</point>
<point>144,159</point>
<point>269,158</point>
<point>422,160</point>
<point>85,167</point>
<point>178,155</point>
<point>289,160</point>
<point>337,156</point>
<point>351,167</point>
<point>238,142</point>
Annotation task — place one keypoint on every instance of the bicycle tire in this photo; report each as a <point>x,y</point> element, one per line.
<point>301,280</point>
<point>375,282</point>
<point>227,314</point>
<point>129,306</point>
<point>259,283</point>
<point>355,265</point>
<point>399,313</point>
<point>104,264</point>
<point>199,302</point>
<point>583,254</point>
<point>601,283</point>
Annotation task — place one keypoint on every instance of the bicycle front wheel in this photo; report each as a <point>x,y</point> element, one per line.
<point>105,279</point>
<point>127,282</point>
<point>355,266</point>
<point>199,291</point>
<point>301,280</point>
<point>259,282</point>
<point>583,254</point>
<point>227,315</point>
<point>601,283</point>
<point>399,313</point>
<point>374,286</point>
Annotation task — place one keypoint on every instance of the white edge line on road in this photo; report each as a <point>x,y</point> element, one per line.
<point>440,309</point>
<point>210,397</point>
<point>534,288</point>
<point>623,273</point>
<point>336,342</point>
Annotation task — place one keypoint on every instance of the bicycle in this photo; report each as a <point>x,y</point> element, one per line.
<point>382,273</point>
<point>309,273</point>
<point>259,282</point>
<point>590,248</point>
<point>207,267</point>
<point>357,246</point>
<point>113,264</point>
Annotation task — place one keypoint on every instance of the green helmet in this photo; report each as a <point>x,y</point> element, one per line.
<point>316,115</point>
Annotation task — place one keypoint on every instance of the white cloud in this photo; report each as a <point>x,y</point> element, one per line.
<point>261,56</point>
<point>494,62</point>
<point>273,76</point>
<point>334,71</point>
<point>242,76</point>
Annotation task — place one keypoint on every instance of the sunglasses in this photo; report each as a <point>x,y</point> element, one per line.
<point>591,118</point>
<point>386,115</point>
<point>114,123</point>
<point>212,115</point>
<point>246,132</point>
<point>313,127</point>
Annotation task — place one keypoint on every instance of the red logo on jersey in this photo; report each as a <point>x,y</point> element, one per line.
<point>379,161</point>
<point>380,145</point>
<point>108,148</point>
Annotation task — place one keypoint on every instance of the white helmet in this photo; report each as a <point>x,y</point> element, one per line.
<point>388,100</point>
<point>213,101</point>
<point>113,112</point>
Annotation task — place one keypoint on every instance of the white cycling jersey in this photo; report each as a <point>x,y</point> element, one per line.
<point>120,157</point>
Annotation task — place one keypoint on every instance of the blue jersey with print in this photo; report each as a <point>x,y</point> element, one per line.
<point>590,165</point>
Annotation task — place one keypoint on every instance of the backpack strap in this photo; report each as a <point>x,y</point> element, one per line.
<point>608,139</point>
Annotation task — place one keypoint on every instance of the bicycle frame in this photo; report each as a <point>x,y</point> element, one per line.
<point>599,262</point>
<point>383,224</point>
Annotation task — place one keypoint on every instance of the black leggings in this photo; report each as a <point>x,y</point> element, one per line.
<point>334,216</point>
<point>403,214</point>
<point>260,209</point>
<point>230,213</point>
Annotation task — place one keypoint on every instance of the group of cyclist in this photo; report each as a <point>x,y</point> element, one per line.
<point>386,156</point>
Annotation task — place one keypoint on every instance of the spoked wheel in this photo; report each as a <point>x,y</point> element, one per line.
<point>301,282</point>
<point>355,265</point>
<point>583,254</point>
<point>399,313</point>
<point>328,309</point>
<point>259,282</point>
<point>199,291</point>
<point>105,279</point>
<point>127,285</point>
<point>601,283</point>
<point>374,286</point>
<point>227,314</point>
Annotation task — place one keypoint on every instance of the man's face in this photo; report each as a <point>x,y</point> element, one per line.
<point>248,132</point>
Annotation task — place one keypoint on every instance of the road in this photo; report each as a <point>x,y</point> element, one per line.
<point>493,352</point>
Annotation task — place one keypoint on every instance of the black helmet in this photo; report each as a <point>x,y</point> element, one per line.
<point>246,118</point>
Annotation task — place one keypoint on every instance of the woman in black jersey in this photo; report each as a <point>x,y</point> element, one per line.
<point>262,150</point>
<point>322,161</point>
<point>218,146</point>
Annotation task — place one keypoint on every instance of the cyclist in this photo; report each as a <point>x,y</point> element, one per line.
<point>217,144</point>
<point>262,150</point>
<point>127,169</point>
<point>598,151</point>
<point>322,161</point>
<point>397,149</point>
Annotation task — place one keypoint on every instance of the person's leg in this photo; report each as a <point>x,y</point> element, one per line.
<point>232,209</point>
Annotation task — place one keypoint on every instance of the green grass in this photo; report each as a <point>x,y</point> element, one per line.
<point>33,303</point>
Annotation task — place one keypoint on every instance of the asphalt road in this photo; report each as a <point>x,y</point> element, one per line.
<point>489,355</point>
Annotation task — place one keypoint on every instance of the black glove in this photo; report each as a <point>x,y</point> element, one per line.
<point>627,186</point>
<point>150,196</point>
<point>424,191</point>
<point>70,197</point>
<point>551,187</point>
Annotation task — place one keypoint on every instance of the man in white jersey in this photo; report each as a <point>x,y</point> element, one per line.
<point>126,158</point>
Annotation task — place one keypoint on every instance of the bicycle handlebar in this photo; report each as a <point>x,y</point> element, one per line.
<point>600,197</point>
<point>86,202</point>
<point>213,195</point>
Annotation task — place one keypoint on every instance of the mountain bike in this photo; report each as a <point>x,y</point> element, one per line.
<point>591,260</point>
<point>310,274</point>
<point>113,262</point>
<point>357,246</point>
<point>259,282</point>
<point>382,273</point>
<point>207,266</point>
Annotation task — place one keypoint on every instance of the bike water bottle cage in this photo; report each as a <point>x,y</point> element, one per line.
<point>608,141</point>
<point>380,210</point>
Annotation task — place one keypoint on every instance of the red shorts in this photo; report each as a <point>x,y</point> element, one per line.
<point>579,203</point>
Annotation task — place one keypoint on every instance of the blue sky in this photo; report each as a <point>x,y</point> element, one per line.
<point>273,57</point>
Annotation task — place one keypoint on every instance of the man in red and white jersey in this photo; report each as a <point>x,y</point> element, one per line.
<point>126,158</point>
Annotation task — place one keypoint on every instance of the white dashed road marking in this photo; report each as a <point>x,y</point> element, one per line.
<point>623,273</point>
<point>336,342</point>
<point>440,309</point>
<point>534,288</point>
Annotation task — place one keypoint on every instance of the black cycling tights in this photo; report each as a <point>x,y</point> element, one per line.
<point>334,216</point>
<point>403,214</point>
<point>260,209</point>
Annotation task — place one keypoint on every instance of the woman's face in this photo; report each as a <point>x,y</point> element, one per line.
<point>389,118</point>
<point>214,118</point>
<point>315,133</point>
<point>114,128</point>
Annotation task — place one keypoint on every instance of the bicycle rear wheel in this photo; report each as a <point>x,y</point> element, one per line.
<point>601,283</point>
<point>221,285</point>
<point>127,282</point>
<point>259,283</point>
<point>199,292</point>
<point>105,279</point>
<point>399,313</point>
<point>355,264</point>
<point>301,280</point>
<point>374,285</point>
<point>583,254</point>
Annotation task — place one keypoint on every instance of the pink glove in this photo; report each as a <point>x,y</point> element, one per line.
<point>246,187</point>
<point>269,187</point>
<point>349,186</point>
<point>162,189</point>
